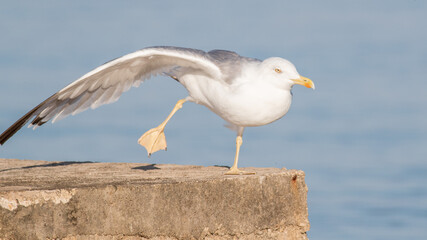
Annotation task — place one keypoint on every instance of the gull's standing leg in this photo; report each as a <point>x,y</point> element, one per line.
<point>154,139</point>
<point>234,170</point>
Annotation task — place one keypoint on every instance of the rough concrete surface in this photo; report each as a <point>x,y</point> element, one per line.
<point>87,200</point>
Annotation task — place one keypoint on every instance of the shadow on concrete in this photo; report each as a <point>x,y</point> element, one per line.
<point>54,164</point>
<point>222,166</point>
<point>147,167</point>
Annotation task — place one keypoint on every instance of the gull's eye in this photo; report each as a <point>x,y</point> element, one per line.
<point>277,70</point>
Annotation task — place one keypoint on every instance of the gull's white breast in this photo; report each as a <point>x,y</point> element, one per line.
<point>250,103</point>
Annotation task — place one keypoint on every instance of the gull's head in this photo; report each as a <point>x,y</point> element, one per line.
<point>283,73</point>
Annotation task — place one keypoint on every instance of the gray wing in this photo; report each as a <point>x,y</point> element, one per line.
<point>107,82</point>
<point>230,63</point>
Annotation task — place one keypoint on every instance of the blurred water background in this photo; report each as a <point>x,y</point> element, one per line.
<point>360,137</point>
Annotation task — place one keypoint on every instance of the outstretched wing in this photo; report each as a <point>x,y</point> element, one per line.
<point>107,82</point>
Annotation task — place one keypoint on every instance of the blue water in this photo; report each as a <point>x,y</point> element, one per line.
<point>360,137</point>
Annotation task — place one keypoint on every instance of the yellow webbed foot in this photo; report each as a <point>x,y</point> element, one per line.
<point>153,140</point>
<point>236,171</point>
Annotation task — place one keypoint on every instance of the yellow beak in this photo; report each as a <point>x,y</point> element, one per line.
<point>304,81</point>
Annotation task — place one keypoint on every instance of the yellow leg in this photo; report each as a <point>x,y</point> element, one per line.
<point>154,139</point>
<point>234,170</point>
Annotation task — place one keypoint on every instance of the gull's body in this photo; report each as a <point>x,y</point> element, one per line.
<point>241,103</point>
<point>243,91</point>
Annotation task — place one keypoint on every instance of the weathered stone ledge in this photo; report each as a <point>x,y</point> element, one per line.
<point>85,200</point>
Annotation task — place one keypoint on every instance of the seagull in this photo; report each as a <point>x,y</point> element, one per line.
<point>245,92</point>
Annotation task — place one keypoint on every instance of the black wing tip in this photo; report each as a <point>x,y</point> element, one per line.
<point>12,130</point>
<point>38,121</point>
<point>6,135</point>
<point>2,142</point>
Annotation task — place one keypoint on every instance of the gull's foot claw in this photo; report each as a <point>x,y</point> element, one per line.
<point>153,140</point>
<point>236,171</point>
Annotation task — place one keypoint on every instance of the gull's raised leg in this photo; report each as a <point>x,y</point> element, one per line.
<point>234,170</point>
<point>154,139</point>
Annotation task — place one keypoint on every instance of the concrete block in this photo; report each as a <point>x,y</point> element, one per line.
<point>86,200</point>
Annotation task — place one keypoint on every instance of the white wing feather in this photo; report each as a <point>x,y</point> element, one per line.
<point>106,83</point>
